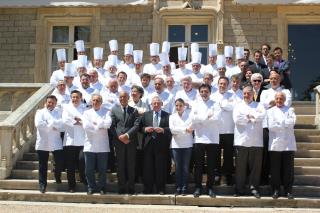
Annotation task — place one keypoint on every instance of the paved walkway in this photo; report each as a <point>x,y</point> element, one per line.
<point>48,207</point>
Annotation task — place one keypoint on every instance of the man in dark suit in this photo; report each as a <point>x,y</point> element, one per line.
<point>257,67</point>
<point>283,67</point>
<point>125,125</point>
<point>157,136</point>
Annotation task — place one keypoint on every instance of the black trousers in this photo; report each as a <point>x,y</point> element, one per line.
<point>248,159</point>
<point>74,159</point>
<point>43,157</point>
<point>126,158</point>
<point>282,170</point>
<point>265,170</point>
<point>210,151</point>
<point>226,143</point>
<point>156,154</point>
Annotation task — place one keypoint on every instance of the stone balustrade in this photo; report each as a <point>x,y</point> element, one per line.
<point>17,130</point>
<point>317,93</point>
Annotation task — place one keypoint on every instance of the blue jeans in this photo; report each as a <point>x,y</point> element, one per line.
<point>91,158</point>
<point>181,158</point>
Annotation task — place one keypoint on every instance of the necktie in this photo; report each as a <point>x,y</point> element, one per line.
<point>156,120</point>
<point>124,113</point>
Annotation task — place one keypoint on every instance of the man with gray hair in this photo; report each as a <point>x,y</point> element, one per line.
<point>157,137</point>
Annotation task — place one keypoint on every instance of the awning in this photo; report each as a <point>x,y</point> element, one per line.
<point>70,3</point>
<point>282,2</point>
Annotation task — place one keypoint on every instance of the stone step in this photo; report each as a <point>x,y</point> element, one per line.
<point>306,119</point>
<point>307,162</point>
<point>305,110</point>
<point>306,132</point>
<point>307,154</point>
<point>307,170</point>
<point>308,138</point>
<point>308,146</point>
<point>189,200</point>
<point>303,103</point>
<point>307,180</point>
<point>15,184</point>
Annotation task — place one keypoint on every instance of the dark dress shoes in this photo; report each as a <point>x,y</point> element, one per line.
<point>90,192</point>
<point>197,192</point>
<point>275,194</point>
<point>290,196</point>
<point>255,193</point>
<point>211,193</point>
<point>42,189</point>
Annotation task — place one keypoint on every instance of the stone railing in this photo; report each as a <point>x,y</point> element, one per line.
<point>317,93</point>
<point>17,130</point>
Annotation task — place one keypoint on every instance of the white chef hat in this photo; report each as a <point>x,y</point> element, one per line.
<point>213,50</point>
<point>128,49</point>
<point>194,47</point>
<point>98,53</point>
<point>80,46</point>
<point>154,49</point>
<point>165,47</point>
<point>228,51</point>
<point>137,56</point>
<point>113,44</point>
<point>239,52</point>
<point>82,61</point>
<point>61,54</point>
<point>68,70</point>
<point>221,61</point>
<point>112,60</point>
<point>196,58</point>
<point>164,59</point>
<point>182,53</point>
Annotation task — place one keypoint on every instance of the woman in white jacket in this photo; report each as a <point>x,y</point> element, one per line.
<point>282,145</point>
<point>181,144</point>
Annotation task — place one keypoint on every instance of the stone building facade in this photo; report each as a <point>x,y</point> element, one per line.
<point>29,34</point>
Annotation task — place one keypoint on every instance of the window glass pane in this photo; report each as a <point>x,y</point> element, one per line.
<point>54,61</point>
<point>204,57</point>
<point>176,33</point>
<point>60,34</point>
<point>199,33</point>
<point>82,33</point>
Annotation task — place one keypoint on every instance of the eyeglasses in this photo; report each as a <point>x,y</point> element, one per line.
<point>256,80</point>
<point>228,58</point>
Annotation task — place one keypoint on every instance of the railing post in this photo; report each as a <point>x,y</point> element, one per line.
<point>6,164</point>
<point>317,117</point>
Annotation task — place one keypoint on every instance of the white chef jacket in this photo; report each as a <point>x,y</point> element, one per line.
<point>178,126</point>
<point>152,69</point>
<point>248,132</point>
<point>97,139</point>
<point>212,69</point>
<point>281,128</point>
<point>233,71</point>
<point>188,97</point>
<point>183,72</point>
<point>167,99</point>
<point>74,134</point>
<point>226,102</point>
<point>238,95</point>
<point>49,124</point>
<point>61,99</point>
<point>127,68</point>
<point>205,118</point>
<point>109,99</point>
<point>96,86</point>
<point>87,93</point>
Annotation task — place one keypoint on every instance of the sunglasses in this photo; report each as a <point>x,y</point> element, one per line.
<point>256,80</point>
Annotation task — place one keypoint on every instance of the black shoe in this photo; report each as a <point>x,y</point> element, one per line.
<point>161,192</point>
<point>178,192</point>
<point>290,196</point>
<point>90,192</point>
<point>131,191</point>
<point>102,192</point>
<point>184,192</point>
<point>211,193</point>
<point>275,194</point>
<point>255,193</point>
<point>42,189</point>
<point>229,180</point>
<point>197,192</point>
<point>71,190</point>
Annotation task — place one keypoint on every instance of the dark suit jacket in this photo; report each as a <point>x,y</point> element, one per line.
<point>259,94</point>
<point>255,69</point>
<point>121,125</point>
<point>147,121</point>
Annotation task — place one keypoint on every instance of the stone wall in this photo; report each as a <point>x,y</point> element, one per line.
<point>127,25</point>
<point>249,26</point>
<point>16,36</point>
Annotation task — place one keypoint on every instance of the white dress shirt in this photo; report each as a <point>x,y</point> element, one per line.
<point>49,124</point>
<point>281,123</point>
<point>248,131</point>
<point>96,125</point>
<point>167,99</point>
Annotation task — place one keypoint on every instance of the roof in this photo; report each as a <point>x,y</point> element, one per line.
<point>281,2</point>
<point>68,3</point>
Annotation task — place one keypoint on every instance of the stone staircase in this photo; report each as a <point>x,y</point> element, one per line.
<point>23,184</point>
